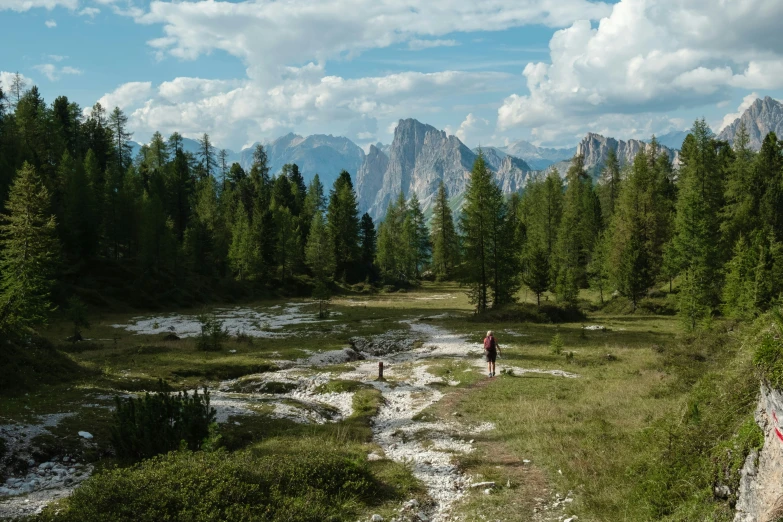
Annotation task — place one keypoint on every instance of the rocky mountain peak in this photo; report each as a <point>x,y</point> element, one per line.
<point>762,117</point>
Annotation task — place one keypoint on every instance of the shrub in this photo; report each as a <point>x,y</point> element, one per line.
<point>557,344</point>
<point>212,333</point>
<point>160,423</point>
<point>76,312</point>
<point>312,483</point>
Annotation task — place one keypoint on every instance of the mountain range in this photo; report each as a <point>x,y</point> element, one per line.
<point>420,156</point>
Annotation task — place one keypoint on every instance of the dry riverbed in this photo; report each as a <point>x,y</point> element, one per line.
<point>303,391</point>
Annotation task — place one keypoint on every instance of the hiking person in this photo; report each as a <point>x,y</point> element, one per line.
<point>491,350</point>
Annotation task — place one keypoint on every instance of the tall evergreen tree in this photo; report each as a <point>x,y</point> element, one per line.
<point>445,244</point>
<point>206,154</point>
<point>367,238</point>
<point>343,223</point>
<point>483,223</point>
<point>242,252</point>
<point>118,122</point>
<point>697,225</point>
<point>28,254</point>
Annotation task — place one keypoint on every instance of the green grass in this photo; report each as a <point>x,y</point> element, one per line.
<point>642,434</point>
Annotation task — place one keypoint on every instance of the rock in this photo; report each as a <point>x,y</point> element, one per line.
<point>46,465</point>
<point>30,463</point>
<point>761,118</point>
<point>423,517</point>
<point>487,491</point>
<point>377,518</point>
<point>5,492</point>
<point>68,481</point>
<point>71,470</point>
<point>571,519</point>
<point>722,491</point>
<point>471,441</point>
<point>372,457</point>
<point>525,461</point>
<point>483,485</point>
<point>66,459</point>
<point>232,351</point>
<point>85,435</point>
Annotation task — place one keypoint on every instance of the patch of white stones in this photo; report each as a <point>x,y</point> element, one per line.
<point>262,323</point>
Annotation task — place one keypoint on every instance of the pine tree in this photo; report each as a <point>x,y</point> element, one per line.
<point>637,231</point>
<point>611,184</point>
<point>222,159</point>
<point>242,252</point>
<point>367,245</point>
<point>739,291</point>
<point>697,225</point>
<point>118,122</point>
<point>158,151</point>
<point>483,223</point>
<point>445,245</point>
<point>320,250</point>
<point>343,224</point>
<point>391,248</point>
<point>28,254</point>
<point>576,235</point>
<point>598,267</point>
<point>78,226</point>
<point>419,240</point>
<point>206,153</point>
<point>536,275</point>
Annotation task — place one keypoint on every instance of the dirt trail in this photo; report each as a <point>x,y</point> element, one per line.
<point>428,447</point>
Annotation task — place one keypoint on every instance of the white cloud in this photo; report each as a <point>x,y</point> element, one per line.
<point>649,56</point>
<point>7,78</point>
<point>469,129</point>
<point>89,11</point>
<point>50,24</point>
<point>270,35</point>
<point>57,57</point>
<point>26,5</point>
<point>54,73</point>
<point>747,101</point>
<point>244,111</point>
<point>417,44</point>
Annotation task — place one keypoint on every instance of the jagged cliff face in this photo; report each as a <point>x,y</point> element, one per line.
<point>595,149</point>
<point>419,157</point>
<point>761,118</point>
<point>760,495</point>
<point>369,178</point>
<point>318,154</point>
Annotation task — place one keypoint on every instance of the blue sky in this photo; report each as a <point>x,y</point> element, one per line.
<point>491,72</point>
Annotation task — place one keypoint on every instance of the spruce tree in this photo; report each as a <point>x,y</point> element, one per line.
<point>28,254</point>
<point>343,223</point>
<point>368,246</point>
<point>242,251</point>
<point>483,223</point>
<point>118,123</point>
<point>206,154</point>
<point>697,225</point>
<point>445,244</point>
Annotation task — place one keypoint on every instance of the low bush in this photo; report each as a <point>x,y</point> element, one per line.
<point>161,422</point>
<point>311,482</point>
<point>212,334</point>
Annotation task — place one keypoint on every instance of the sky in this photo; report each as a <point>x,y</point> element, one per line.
<point>488,71</point>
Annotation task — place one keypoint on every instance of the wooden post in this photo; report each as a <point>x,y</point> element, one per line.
<point>380,370</point>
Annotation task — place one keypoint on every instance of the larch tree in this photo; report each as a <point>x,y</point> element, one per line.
<point>28,255</point>
<point>444,240</point>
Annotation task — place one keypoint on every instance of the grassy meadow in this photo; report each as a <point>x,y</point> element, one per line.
<point>637,436</point>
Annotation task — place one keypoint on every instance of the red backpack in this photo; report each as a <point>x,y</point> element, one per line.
<point>489,343</point>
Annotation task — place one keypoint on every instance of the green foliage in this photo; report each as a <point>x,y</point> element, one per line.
<point>343,225</point>
<point>557,344</point>
<point>490,260</point>
<point>160,422</point>
<point>577,232</point>
<point>28,252</point>
<point>212,334</point>
<point>444,239</point>
<point>316,483</point>
<point>768,357</point>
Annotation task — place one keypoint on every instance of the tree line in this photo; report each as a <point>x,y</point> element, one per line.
<point>73,196</point>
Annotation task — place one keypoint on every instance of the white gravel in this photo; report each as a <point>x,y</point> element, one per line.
<point>266,323</point>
